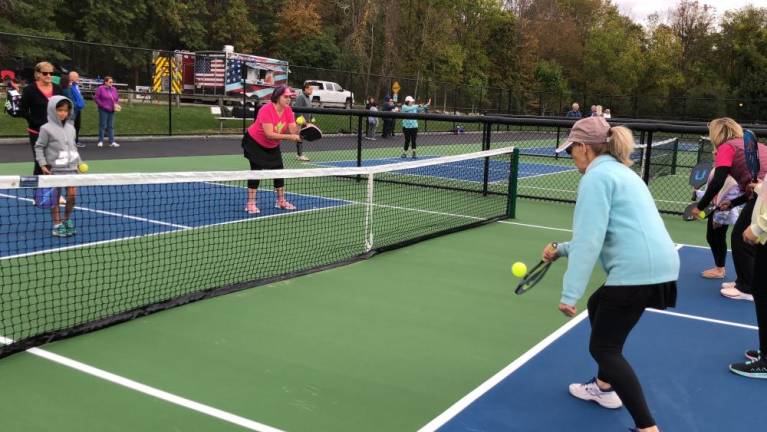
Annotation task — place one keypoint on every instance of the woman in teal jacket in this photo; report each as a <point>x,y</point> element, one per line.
<point>615,221</point>
<point>410,126</point>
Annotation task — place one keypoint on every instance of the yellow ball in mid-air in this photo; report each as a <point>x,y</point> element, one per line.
<point>83,168</point>
<point>519,269</point>
<point>300,120</point>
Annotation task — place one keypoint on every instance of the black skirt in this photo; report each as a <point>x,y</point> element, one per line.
<point>260,157</point>
<point>657,296</point>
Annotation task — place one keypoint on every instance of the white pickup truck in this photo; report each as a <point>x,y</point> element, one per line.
<point>330,94</point>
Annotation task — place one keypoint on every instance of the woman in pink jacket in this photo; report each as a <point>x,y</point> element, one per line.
<point>107,99</point>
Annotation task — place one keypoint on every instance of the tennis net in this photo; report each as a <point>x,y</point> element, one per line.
<point>662,160</point>
<point>147,242</point>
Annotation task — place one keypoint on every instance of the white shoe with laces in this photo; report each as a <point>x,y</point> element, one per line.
<point>590,391</point>
<point>728,284</point>
<point>100,144</point>
<point>114,144</point>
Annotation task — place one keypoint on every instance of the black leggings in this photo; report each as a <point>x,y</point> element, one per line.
<point>743,254</point>
<point>613,313</point>
<point>717,239</point>
<point>253,184</point>
<point>760,294</point>
<point>410,136</point>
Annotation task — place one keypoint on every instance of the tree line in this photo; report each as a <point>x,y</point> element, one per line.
<point>569,47</point>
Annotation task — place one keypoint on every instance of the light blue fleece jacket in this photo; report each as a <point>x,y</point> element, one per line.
<point>616,221</point>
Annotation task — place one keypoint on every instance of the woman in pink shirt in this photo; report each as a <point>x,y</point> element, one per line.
<point>261,144</point>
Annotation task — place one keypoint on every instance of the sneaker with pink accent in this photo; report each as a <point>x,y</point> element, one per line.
<point>590,391</point>
<point>735,294</point>
<point>728,284</point>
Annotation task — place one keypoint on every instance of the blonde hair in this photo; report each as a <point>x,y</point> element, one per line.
<point>599,110</point>
<point>40,66</point>
<point>723,129</point>
<point>620,144</point>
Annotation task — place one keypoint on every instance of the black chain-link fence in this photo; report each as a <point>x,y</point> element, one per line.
<point>665,154</point>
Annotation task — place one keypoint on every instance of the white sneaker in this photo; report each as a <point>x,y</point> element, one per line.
<point>303,158</point>
<point>728,284</point>
<point>100,144</point>
<point>591,392</point>
<point>735,294</point>
<point>114,144</point>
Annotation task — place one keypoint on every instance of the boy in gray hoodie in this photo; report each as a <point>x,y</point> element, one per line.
<point>56,153</point>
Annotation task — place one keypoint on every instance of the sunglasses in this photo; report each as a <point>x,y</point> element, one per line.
<point>46,73</point>
<point>569,150</point>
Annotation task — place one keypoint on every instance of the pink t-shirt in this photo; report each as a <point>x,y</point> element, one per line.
<point>725,155</point>
<point>268,115</point>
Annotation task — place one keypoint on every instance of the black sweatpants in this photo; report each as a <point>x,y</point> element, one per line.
<point>717,239</point>
<point>743,254</point>
<point>613,313</point>
<point>760,294</point>
<point>78,122</point>
<point>410,136</point>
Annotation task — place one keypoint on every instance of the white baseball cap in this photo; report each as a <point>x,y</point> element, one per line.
<point>409,99</point>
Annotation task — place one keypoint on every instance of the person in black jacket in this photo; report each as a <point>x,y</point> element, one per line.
<point>34,104</point>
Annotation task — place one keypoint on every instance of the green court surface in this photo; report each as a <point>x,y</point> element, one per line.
<point>384,344</point>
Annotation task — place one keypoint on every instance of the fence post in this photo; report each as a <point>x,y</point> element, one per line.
<point>486,128</point>
<point>170,96</point>
<point>359,141</point>
<point>511,200</point>
<point>646,160</point>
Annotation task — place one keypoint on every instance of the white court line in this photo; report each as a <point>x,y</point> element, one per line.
<point>147,390</point>
<point>108,213</point>
<point>704,319</point>
<point>475,394</point>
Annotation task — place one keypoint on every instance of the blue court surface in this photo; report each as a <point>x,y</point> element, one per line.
<point>111,213</point>
<point>681,358</point>
<point>468,170</point>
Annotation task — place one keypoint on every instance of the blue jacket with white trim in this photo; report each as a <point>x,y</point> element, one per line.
<point>616,221</point>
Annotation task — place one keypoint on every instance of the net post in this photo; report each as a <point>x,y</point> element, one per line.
<point>369,215</point>
<point>511,203</point>
<point>647,159</point>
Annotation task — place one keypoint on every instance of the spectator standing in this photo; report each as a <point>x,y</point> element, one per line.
<point>372,120</point>
<point>388,123</point>
<point>410,126</point>
<point>593,110</point>
<point>107,101</point>
<point>303,100</point>
<point>34,104</point>
<point>79,104</point>
<point>607,114</point>
<point>575,111</point>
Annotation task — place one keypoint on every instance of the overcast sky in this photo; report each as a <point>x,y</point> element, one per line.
<point>640,9</point>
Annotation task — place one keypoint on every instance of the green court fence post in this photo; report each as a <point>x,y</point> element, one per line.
<point>486,128</point>
<point>511,202</point>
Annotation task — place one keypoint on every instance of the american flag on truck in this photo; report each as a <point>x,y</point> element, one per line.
<point>209,71</point>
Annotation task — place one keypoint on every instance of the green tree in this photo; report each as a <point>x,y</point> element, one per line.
<point>33,17</point>
<point>231,25</point>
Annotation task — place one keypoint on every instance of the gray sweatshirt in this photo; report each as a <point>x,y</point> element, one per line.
<point>55,145</point>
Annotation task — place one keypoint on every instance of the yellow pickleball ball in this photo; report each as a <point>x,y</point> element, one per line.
<point>83,168</point>
<point>519,269</point>
<point>300,120</point>
<point>702,214</point>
